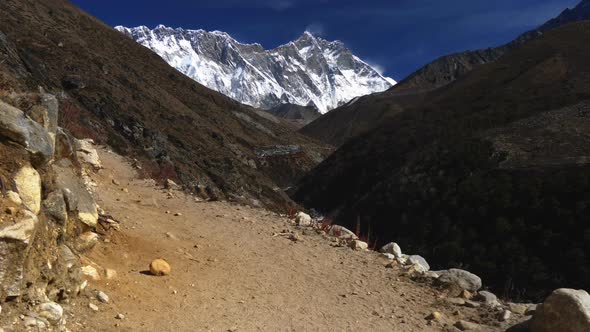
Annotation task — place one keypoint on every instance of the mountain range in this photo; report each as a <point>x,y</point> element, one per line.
<point>309,71</point>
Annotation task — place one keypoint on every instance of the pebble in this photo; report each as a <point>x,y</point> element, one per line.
<point>435,316</point>
<point>120,316</point>
<point>160,267</point>
<point>102,297</point>
<point>93,306</point>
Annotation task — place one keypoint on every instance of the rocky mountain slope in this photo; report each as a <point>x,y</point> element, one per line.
<point>488,173</point>
<point>309,71</point>
<point>117,92</point>
<point>367,112</point>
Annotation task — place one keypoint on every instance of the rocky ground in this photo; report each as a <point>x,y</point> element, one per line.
<point>234,270</point>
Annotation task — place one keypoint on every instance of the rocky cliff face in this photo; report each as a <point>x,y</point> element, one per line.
<point>310,71</point>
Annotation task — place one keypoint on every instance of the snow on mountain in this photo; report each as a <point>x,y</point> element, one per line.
<point>309,71</point>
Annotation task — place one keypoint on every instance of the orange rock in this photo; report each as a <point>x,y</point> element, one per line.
<point>160,267</point>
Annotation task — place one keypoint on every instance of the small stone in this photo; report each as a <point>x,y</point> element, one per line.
<point>302,219</point>
<point>93,306</point>
<point>466,326</point>
<point>505,315</point>
<point>167,212</point>
<point>116,183</point>
<point>159,267</point>
<point>110,274</point>
<point>102,297</point>
<point>435,316</point>
<point>125,190</point>
<point>471,304</point>
<point>456,301</point>
<point>178,214</point>
<point>466,294</point>
<point>120,316</point>
<point>359,245</point>
<point>518,308</point>
<point>488,298</point>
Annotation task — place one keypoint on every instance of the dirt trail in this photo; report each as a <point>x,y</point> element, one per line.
<point>230,274</point>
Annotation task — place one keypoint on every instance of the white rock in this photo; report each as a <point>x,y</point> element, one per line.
<point>388,255</point>
<point>51,311</point>
<point>417,259</point>
<point>565,310</point>
<point>303,219</point>
<point>505,315</point>
<point>359,245</point>
<point>90,272</point>
<point>93,306</point>
<point>392,248</point>
<point>87,153</point>
<point>28,186</point>
<point>22,230</point>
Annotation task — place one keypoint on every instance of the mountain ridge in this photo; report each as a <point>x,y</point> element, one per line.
<point>308,71</point>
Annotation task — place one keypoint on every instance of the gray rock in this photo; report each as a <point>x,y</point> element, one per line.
<point>461,278</point>
<point>341,232</point>
<point>55,206</point>
<point>518,308</point>
<point>86,241</point>
<point>417,259</point>
<point>67,256</point>
<point>392,248</point>
<point>565,310</point>
<point>64,145</point>
<point>102,297</point>
<point>488,298</point>
<point>19,128</point>
<point>77,198</point>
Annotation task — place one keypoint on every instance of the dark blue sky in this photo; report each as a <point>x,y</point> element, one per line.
<point>399,36</point>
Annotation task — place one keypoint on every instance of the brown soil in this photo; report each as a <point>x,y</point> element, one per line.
<point>229,273</point>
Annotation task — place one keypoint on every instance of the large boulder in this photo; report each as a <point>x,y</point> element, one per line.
<point>17,127</point>
<point>461,278</point>
<point>15,239</point>
<point>28,185</point>
<point>565,310</point>
<point>392,248</point>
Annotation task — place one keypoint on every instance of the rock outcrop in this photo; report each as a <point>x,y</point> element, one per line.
<point>46,206</point>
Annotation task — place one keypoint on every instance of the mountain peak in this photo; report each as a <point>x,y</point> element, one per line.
<point>327,77</point>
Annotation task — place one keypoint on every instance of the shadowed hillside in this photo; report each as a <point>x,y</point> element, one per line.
<point>489,173</point>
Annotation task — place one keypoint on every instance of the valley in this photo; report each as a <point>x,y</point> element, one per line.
<point>179,179</point>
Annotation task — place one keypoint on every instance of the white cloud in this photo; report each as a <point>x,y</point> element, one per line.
<point>378,68</point>
<point>316,29</point>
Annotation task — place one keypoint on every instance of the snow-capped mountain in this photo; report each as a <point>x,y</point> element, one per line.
<point>309,71</point>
